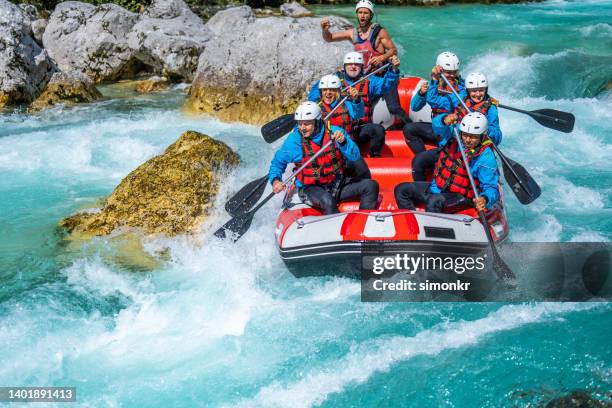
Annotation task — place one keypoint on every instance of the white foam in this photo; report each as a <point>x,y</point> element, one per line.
<point>589,236</point>
<point>545,228</point>
<point>379,355</point>
<point>596,30</point>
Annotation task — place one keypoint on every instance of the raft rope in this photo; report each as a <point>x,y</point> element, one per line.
<point>380,216</point>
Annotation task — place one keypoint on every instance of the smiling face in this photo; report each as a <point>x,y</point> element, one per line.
<point>470,141</point>
<point>353,70</point>
<point>364,16</point>
<point>306,127</point>
<point>328,95</point>
<point>450,74</point>
<point>477,94</point>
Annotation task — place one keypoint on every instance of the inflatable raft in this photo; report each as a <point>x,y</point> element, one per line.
<point>311,243</point>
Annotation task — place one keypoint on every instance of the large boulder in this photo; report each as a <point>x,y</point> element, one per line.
<point>89,39</point>
<point>66,89</point>
<point>25,67</point>
<point>169,38</point>
<point>259,68</point>
<point>170,194</point>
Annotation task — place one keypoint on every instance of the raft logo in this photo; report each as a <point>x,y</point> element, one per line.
<point>412,264</point>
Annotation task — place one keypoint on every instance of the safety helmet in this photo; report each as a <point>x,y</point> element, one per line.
<point>448,61</point>
<point>353,57</point>
<point>307,111</point>
<point>329,82</point>
<point>365,4</point>
<point>476,80</point>
<point>474,123</point>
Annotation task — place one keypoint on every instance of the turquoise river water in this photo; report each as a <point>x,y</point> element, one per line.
<point>217,324</point>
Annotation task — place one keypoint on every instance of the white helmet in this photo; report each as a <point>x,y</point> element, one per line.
<point>476,80</point>
<point>329,82</point>
<point>448,61</point>
<point>474,123</point>
<point>353,57</point>
<point>365,4</point>
<point>307,111</point>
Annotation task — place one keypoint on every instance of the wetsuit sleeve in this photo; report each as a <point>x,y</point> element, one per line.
<point>379,86</point>
<point>495,133</point>
<point>441,129</point>
<point>315,94</point>
<point>485,170</point>
<point>356,110</point>
<point>434,99</point>
<point>348,149</point>
<point>417,102</point>
<point>290,152</point>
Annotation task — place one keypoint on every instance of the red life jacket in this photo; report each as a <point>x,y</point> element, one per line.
<point>451,175</point>
<point>340,117</point>
<point>443,89</point>
<point>326,167</point>
<point>367,47</point>
<point>362,88</point>
<point>482,107</point>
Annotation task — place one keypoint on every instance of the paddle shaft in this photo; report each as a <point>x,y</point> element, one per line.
<point>499,153</point>
<point>506,272</point>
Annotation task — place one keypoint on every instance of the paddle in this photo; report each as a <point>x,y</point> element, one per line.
<point>550,118</point>
<point>523,185</point>
<point>248,195</point>
<point>240,224</point>
<point>501,269</point>
<point>277,128</point>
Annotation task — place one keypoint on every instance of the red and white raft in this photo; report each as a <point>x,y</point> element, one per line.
<point>311,243</point>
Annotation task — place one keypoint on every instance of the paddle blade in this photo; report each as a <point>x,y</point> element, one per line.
<point>236,227</point>
<point>246,197</point>
<point>500,267</point>
<point>554,119</point>
<point>274,130</point>
<point>520,181</point>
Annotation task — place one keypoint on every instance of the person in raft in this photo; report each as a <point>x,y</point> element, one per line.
<point>347,115</point>
<point>450,187</point>
<point>374,43</point>
<point>478,100</point>
<point>322,182</point>
<point>441,100</point>
<point>369,89</point>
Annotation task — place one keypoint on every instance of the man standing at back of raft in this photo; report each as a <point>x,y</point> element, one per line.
<point>322,181</point>
<point>374,43</point>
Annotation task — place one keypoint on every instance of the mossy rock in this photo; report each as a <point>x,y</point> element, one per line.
<point>170,194</point>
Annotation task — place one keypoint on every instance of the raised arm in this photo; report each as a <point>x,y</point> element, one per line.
<point>328,36</point>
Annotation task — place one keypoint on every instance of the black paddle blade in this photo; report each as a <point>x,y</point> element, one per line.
<point>523,185</point>
<point>554,119</point>
<point>247,197</point>
<point>274,130</point>
<point>501,269</point>
<point>236,227</point>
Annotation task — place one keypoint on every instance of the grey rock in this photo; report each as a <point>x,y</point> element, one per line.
<point>25,68</point>
<point>295,9</point>
<point>38,29</point>
<point>274,57</point>
<point>270,55</point>
<point>93,40</point>
<point>169,38</point>
<point>29,11</point>
<point>66,88</point>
